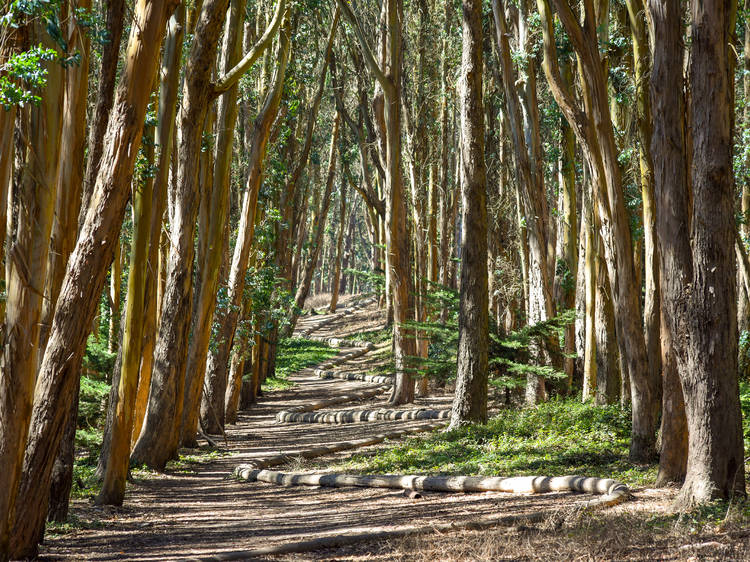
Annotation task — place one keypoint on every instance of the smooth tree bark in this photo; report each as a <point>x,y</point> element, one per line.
<point>470,401</point>
<point>26,262</point>
<point>86,272</point>
<point>166,113</point>
<point>397,240</point>
<point>218,209</point>
<point>216,212</point>
<point>123,408</point>
<point>71,169</point>
<point>319,221</point>
<point>641,70</point>
<point>592,124</point>
<point>533,204</point>
<point>114,22</point>
<point>160,434</point>
<point>64,234</point>
<point>336,279</point>
<point>218,362</point>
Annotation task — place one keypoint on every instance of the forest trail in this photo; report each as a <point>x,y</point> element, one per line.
<point>199,510</point>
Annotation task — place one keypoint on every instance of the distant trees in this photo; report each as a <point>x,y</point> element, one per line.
<point>188,228</point>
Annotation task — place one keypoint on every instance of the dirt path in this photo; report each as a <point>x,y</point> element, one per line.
<point>200,511</point>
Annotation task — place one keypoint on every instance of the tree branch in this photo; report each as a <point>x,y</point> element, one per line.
<point>369,58</point>
<point>564,98</point>
<point>233,76</point>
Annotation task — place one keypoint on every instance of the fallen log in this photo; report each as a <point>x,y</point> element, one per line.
<point>355,416</point>
<point>283,415</point>
<point>365,377</point>
<point>275,460</point>
<point>611,491</point>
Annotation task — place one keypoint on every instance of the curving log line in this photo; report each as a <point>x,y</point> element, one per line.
<point>341,399</point>
<point>275,460</point>
<point>365,377</point>
<point>339,359</point>
<point>351,309</point>
<point>354,416</point>
<point>611,491</point>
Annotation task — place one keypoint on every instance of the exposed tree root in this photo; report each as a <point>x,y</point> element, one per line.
<point>328,374</point>
<point>354,416</point>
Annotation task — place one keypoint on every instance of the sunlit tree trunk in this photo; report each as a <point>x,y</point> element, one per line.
<point>321,216</point>
<point>218,362</point>
<point>388,75</point>
<point>167,110</point>
<point>118,452</point>
<point>593,127</point>
<point>336,280</point>
<point>105,95</point>
<point>216,214</point>
<point>86,272</point>
<point>540,303</point>
<point>160,434</point>
<point>64,233</point>
<point>27,256</point>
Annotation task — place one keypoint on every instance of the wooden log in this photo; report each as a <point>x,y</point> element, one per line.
<point>246,469</point>
<point>354,416</point>
<point>611,490</point>
<point>341,399</point>
<point>366,377</point>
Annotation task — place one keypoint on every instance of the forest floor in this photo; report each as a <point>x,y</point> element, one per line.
<point>197,510</point>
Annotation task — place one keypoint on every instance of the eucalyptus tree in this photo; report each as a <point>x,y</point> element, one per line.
<point>398,240</point>
<point>470,401</point>
<point>85,275</point>
<point>692,152</point>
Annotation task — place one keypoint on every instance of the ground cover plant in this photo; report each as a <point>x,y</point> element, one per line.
<point>558,437</point>
<point>296,354</point>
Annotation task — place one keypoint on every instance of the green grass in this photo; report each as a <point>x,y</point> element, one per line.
<point>295,354</point>
<point>557,438</point>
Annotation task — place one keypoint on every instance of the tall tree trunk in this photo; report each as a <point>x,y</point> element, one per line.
<point>641,67</point>
<point>118,452</point>
<point>105,95</point>
<point>397,239</point>
<point>593,127</point>
<point>86,272</point>
<point>715,466</point>
<point>540,301</point>
<point>115,289</point>
<point>160,435</point>
<point>71,170</point>
<point>470,402</point>
<point>217,211</point>
<point>218,362</point>
<point>336,281</point>
<point>167,110</point>
<point>321,216</point>
<point>27,258</point>
<point>64,233</point>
